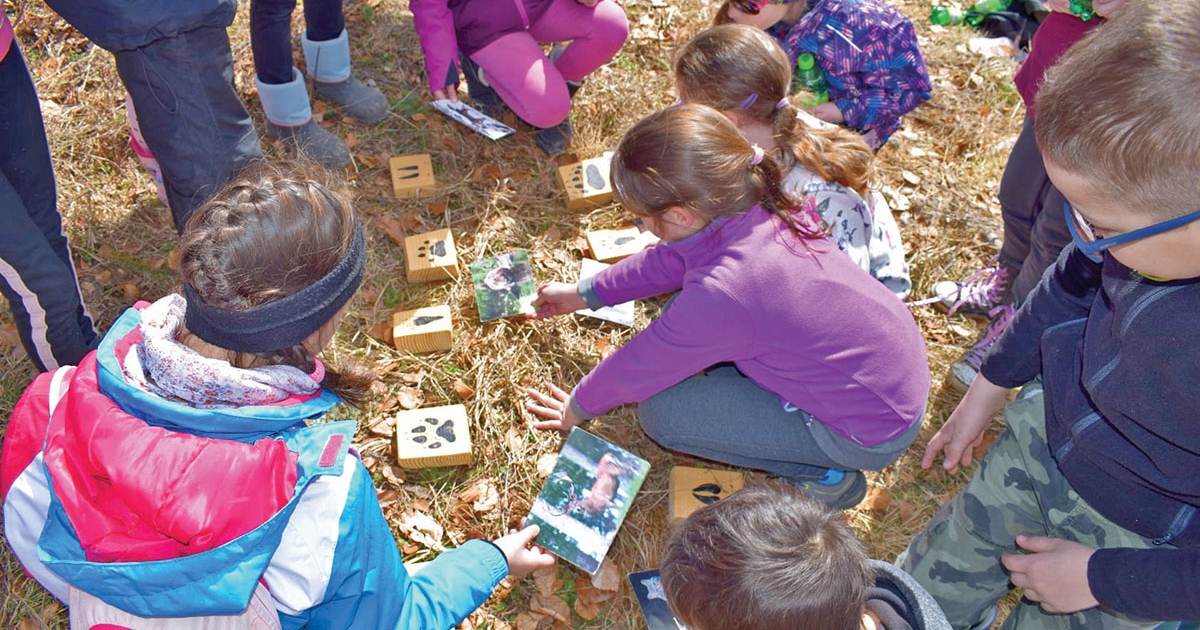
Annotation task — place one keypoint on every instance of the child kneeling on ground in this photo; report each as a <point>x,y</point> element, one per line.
<point>778,353</point>
<point>173,473</point>
<point>769,557</point>
<point>1087,500</point>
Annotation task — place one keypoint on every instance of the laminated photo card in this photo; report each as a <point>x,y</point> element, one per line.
<point>504,285</point>
<point>586,498</point>
<point>473,118</point>
<point>619,314</point>
<point>647,585</point>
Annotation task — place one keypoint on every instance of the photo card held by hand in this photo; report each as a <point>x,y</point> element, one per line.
<point>473,118</point>
<point>618,314</point>
<point>647,585</point>
<point>504,285</point>
<point>585,499</point>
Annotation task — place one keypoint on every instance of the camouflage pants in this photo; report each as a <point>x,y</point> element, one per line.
<point>1017,489</point>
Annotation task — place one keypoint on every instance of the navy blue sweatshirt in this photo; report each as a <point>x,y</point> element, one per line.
<point>1119,357</point>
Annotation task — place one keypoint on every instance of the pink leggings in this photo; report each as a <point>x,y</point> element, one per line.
<point>533,86</point>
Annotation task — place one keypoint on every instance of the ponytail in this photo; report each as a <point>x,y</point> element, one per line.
<point>835,154</point>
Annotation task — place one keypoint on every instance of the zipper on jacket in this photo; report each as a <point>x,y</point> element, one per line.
<point>521,9</point>
<point>1182,519</point>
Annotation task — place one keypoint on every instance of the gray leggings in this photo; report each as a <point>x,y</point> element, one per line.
<point>726,417</point>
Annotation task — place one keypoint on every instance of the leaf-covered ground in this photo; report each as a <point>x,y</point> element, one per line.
<point>939,174</point>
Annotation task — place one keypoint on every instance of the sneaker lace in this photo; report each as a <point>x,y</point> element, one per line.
<point>999,317</point>
<point>984,288</point>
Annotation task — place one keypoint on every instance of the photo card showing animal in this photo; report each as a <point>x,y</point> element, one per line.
<point>473,118</point>
<point>609,246</point>
<point>619,314</point>
<point>647,586</point>
<point>426,329</point>
<point>692,488</point>
<point>585,499</point>
<point>434,436</point>
<point>412,175</point>
<point>586,183</point>
<point>504,285</point>
<point>431,256</point>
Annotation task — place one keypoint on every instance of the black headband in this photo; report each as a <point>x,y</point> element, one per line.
<point>287,321</point>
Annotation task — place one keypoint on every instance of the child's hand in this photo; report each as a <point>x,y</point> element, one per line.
<point>523,556</point>
<point>1053,574</point>
<point>963,431</point>
<point>557,298</point>
<point>827,112</point>
<point>556,409</point>
<point>450,92</point>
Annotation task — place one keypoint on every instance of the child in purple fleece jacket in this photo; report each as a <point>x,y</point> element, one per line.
<point>868,51</point>
<point>828,373</point>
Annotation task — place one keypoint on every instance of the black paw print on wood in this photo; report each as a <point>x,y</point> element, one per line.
<point>436,250</point>
<point>594,179</point>
<point>707,493</point>
<point>439,436</point>
<point>426,319</point>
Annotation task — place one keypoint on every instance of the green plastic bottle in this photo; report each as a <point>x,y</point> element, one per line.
<point>946,16</point>
<point>950,16</point>
<point>810,81</point>
<point>1083,9</point>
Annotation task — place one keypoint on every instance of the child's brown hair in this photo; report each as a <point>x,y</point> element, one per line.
<point>766,557</point>
<point>692,156</point>
<point>735,67</point>
<point>1121,108</point>
<point>267,235</point>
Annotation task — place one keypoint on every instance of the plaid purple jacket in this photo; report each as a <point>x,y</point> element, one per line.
<point>873,66</point>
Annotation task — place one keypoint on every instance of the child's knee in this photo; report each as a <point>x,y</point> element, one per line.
<point>547,110</point>
<point>611,25</point>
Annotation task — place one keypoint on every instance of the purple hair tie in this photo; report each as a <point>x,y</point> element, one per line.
<point>783,102</point>
<point>749,101</point>
<point>758,155</point>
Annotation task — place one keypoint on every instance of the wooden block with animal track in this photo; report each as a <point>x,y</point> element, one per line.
<point>692,488</point>
<point>412,175</point>
<point>423,330</point>
<point>434,436</point>
<point>586,183</point>
<point>609,246</point>
<point>430,257</point>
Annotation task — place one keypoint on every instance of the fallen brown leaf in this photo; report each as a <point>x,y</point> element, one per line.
<point>463,390</point>
<point>551,606</point>
<point>877,499</point>
<point>607,578</point>
<point>545,464</point>
<point>409,397</point>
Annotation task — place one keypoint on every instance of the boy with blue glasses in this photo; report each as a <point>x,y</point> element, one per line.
<point>1088,499</point>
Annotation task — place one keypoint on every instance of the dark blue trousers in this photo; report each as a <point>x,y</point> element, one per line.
<point>36,273</point>
<point>190,114</point>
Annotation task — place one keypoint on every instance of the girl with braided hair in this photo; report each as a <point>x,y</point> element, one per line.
<point>811,370</point>
<point>741,71</point>
<point>174,472</point>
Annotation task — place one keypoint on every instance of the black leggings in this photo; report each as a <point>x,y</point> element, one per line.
<point>271,33</point>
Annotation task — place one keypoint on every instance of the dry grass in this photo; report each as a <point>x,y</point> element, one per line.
<point>501,196</point>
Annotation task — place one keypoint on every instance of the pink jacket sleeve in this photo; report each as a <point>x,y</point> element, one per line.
<point>435,28</point>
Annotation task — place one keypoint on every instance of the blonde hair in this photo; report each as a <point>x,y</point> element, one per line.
<point>723,66</point>
<point>1120,108</point>
<point>693,156</point>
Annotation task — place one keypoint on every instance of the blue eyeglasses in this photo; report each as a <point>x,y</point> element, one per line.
<point>1091,245</point>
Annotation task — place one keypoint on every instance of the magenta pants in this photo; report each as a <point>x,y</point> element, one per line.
<point>533,86</point>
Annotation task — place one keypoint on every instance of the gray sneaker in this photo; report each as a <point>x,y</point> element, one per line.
<point>312,141</point>
<point>362,103</point>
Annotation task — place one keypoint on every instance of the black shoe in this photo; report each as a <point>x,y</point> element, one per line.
<point>554,140</point>
<point>843,494</point>
<point>483,97</point>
